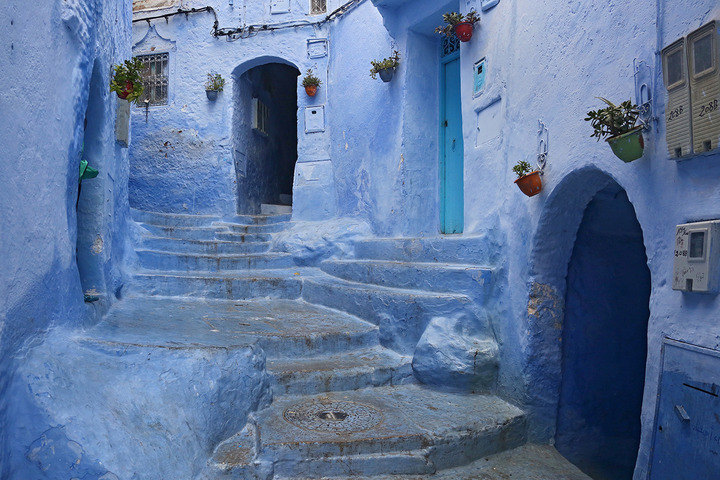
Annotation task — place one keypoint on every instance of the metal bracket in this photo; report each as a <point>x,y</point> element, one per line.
<point>643,93</point>
<point>543,146</point>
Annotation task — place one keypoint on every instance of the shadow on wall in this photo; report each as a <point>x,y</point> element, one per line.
<point>265,135</point>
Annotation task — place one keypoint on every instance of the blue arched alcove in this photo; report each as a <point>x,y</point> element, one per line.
<point>587,319</point>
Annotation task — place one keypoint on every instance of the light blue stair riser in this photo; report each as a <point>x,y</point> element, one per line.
<point>269,228</point>
<point>226,288</point>
<point>242,237</point>
<point>470,280</point>
<point>472,250</point>
<point>173,220</point>
<point>151,259</point>
<point>189,233</point>
<point>203,246</point>
<point>411,463</point>
<point>258,219</point>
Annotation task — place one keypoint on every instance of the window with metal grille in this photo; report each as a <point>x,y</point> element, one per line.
<point>450,45</point>
<point>155,78</point>
<point>318,6</point>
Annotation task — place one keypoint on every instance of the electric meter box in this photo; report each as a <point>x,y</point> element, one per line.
<point>697,255</point>
<point>678,116</point>
<point>705,87</point>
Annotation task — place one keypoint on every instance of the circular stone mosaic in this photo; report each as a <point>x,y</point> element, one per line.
<point>335,417</point>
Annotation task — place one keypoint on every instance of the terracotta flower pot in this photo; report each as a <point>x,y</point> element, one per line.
<point>311,90</point>
<point>530,184</point>
<point>464,31</point>
<point>127,90</point>
<point>628,146</point>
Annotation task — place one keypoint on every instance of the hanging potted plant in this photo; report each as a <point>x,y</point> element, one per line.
<point>126,80</point>
<point>460,25</point>
<point>311,83</point>
<point>385,67</point>
<point>529,181</point>
<point>215,84</point>
<point>617,124</point>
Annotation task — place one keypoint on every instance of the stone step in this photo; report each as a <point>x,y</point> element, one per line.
<point>282,328</point>
<point>351,433</point>
<point>482,250</point>
<point>529,462</point>
<point>434,277</point>
<point>172,219</point>
<point>258,219</point>
<point>241,228</point>
<point>273,209</point>
<point>176,261</point>
<point>202,246</point>
<point>243,237</point>
<point>401,314</point>
<point>348,370</point>
<point>185,233</point>
<point>238,285</point>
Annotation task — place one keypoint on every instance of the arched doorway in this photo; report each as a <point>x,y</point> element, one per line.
<point>265,135</point>
<point>604,340</point>
<point>587,319</point>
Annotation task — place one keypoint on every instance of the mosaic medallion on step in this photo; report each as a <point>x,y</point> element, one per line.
<point>334,417</point>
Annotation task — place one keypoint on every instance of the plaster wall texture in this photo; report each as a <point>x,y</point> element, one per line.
<point>47,58</point>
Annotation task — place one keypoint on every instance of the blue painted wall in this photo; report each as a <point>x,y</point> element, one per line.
<point>43,105</point>
<point>604,340</point>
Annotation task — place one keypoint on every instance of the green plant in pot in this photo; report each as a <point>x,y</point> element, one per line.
<point>529,181</point>
<point>126,80</point>
<point>460,25</point>
<point>311,83</point>
<point>617,125</point>
<point>215,84</point>
<point>385,67</point>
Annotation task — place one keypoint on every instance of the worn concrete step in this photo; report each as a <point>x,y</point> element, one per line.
<point>274,209</point>
<point>231,285</point>
<point>242,228</point>
<point>481,250</point>
<point>529,462</point>
<point>187,233</point>
<point>282,328</point>
<point>258,219</point>
<point>350,433</point>
<point>202,246</point>
<point>434,277</point>
<point>348,370</point>
<point>402,314</point>
<point>172,219</point>
<point>243,237</point>
<point>176,261</point>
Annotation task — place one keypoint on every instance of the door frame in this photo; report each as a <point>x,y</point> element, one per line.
<point>441,136</point>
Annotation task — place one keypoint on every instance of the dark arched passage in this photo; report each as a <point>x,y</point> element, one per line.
<point>265,133</point>
<point>604,340</point>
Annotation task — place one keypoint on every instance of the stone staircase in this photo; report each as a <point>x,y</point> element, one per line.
<point>339,343</point>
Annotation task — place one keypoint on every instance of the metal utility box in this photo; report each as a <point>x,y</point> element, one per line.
<point>678,117</point>
<point>705,87</point>
<point>687,425</point>
<point>697,254</point>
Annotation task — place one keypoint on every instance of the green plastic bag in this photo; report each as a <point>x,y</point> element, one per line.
<point>86,171</point>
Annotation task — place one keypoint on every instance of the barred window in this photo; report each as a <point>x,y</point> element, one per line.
<point>155,78</point>
<point>318,6</point>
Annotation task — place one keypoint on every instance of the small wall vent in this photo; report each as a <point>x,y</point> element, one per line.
<point>260,117</point>
<point>318,7</point>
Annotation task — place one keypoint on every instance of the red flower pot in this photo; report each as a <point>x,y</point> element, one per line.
<point>311,90</point>
<point>530,184</point>
<point>464,31</point>
<point>127,90</point>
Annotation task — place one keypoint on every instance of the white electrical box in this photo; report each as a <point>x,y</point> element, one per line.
<point>678,110</point>
<point>314,119</point>
<point>705,87</point>
<point>697,255</point>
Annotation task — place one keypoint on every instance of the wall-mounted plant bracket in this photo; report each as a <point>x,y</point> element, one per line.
<point>543,146</point>
<point>643,93</point>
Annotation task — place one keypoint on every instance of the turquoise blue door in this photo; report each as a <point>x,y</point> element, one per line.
<point>451,149</point>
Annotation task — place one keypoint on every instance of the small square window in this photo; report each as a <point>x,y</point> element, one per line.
<point>697,246</point>
<point>675,71</point>
<point>318,7</point>
<point>703,54</point>
<point>155,78</point>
